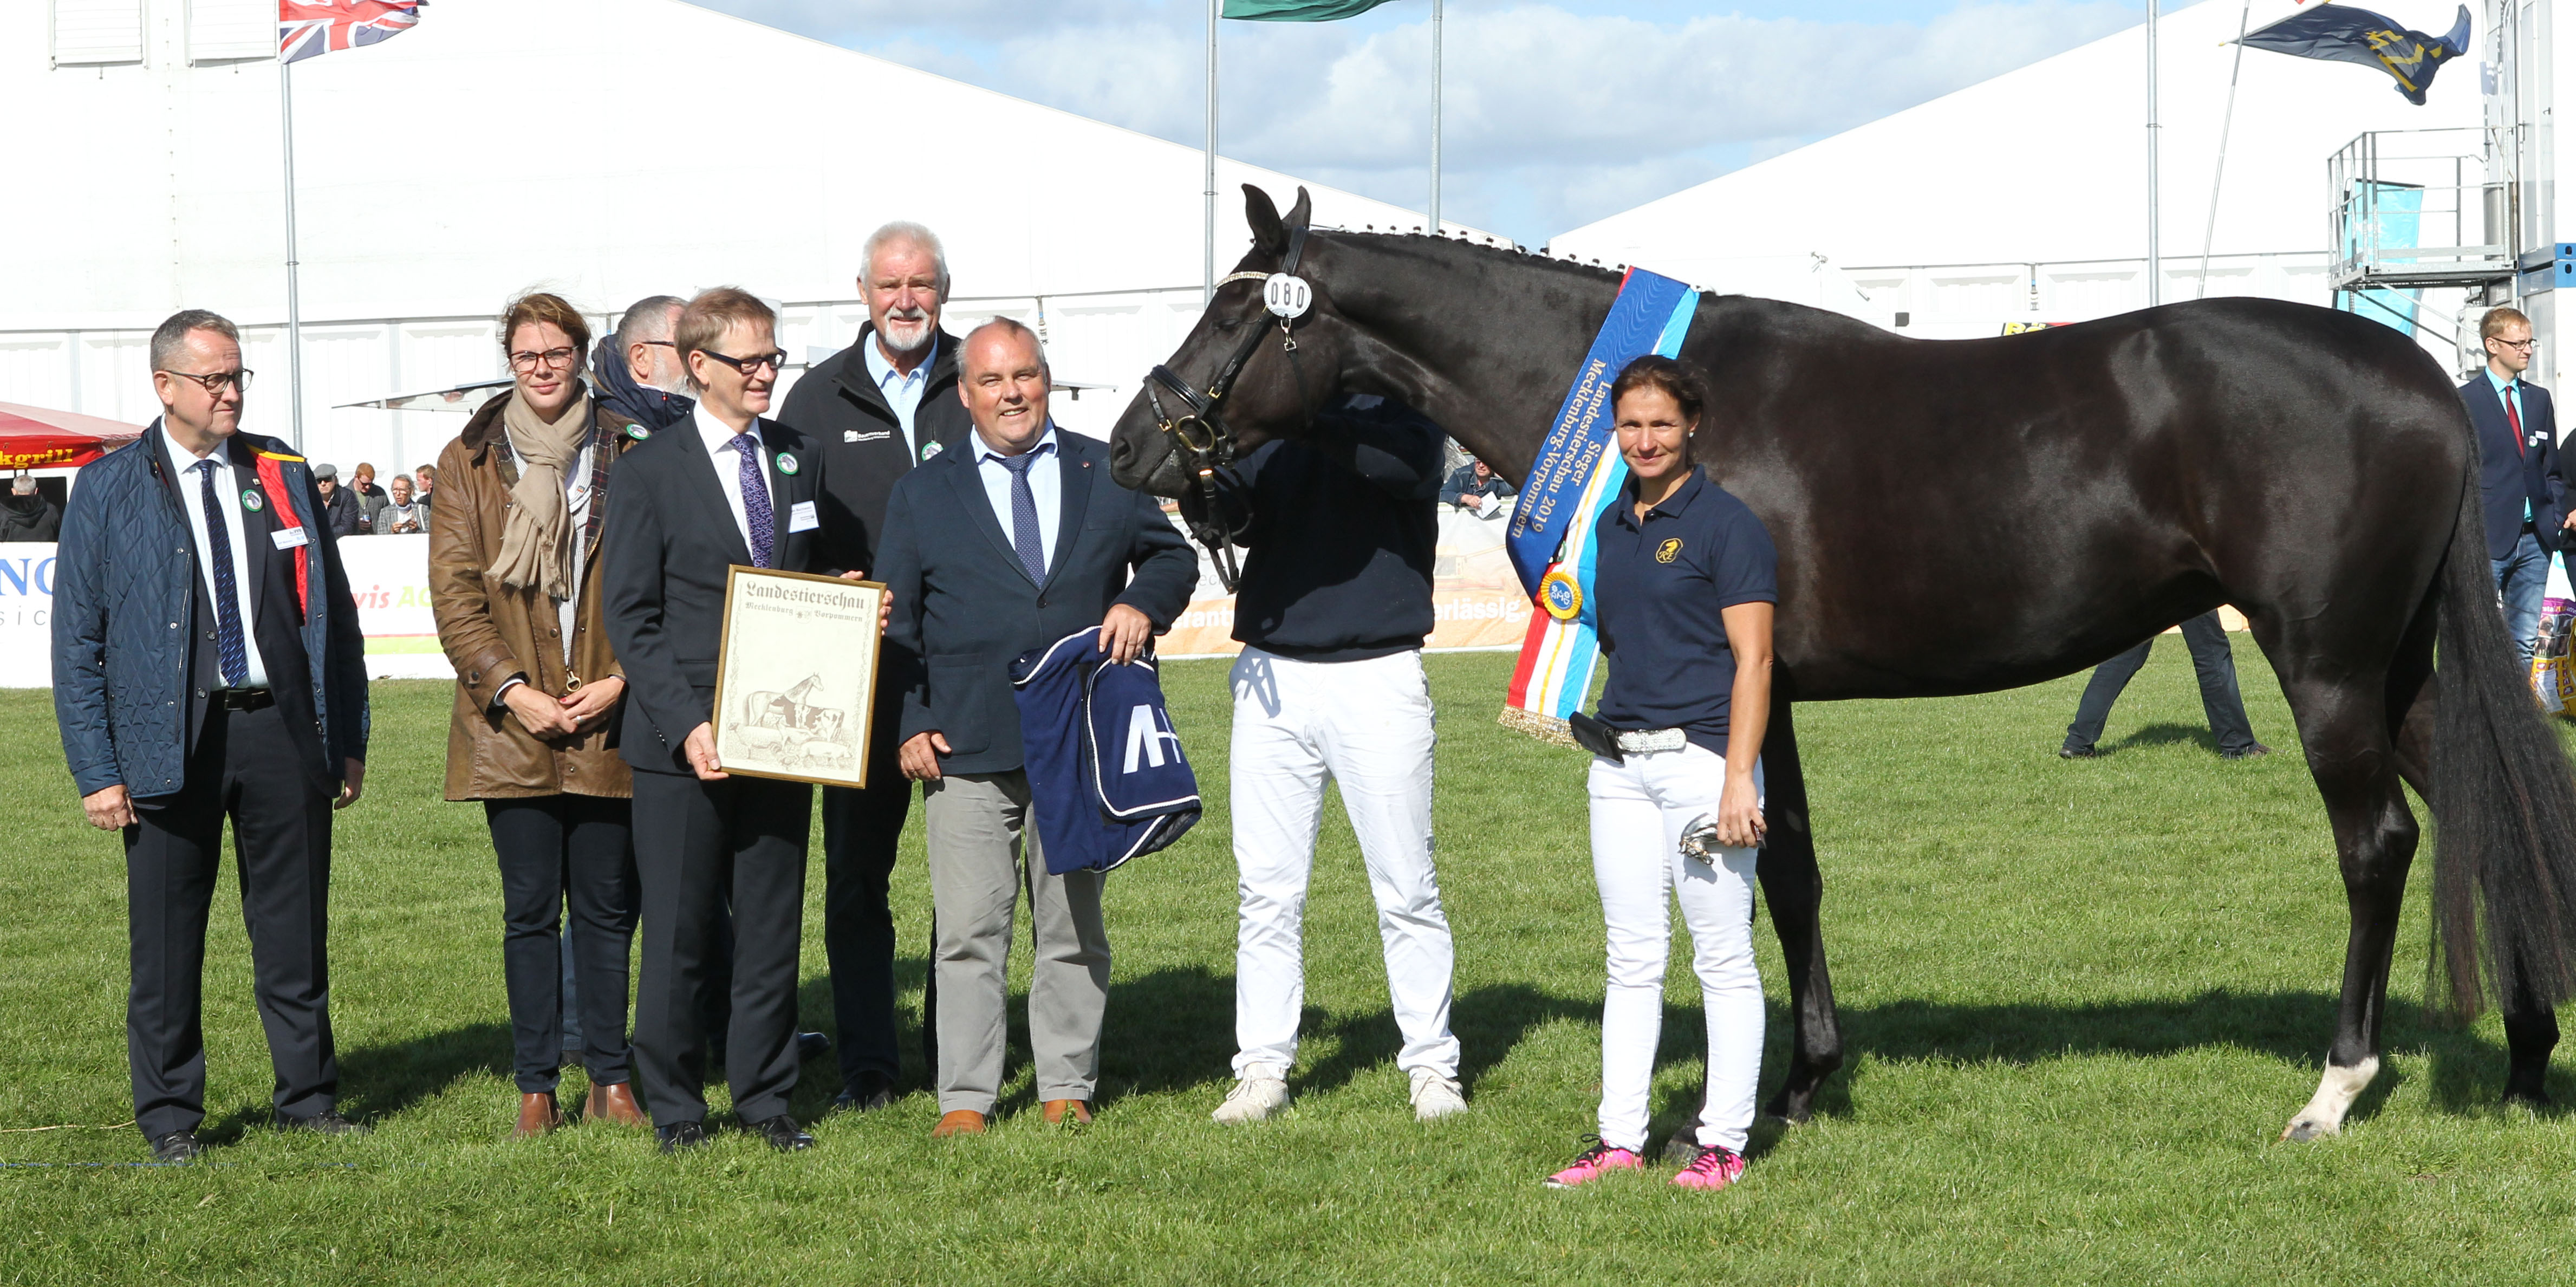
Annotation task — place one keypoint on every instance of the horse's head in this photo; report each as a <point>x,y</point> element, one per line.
<point>1245,374</point>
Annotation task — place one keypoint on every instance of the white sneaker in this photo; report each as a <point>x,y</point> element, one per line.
<point>1435,1096</point>
<point>1257,1094</point>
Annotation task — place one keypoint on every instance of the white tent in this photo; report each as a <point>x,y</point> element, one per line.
<point>606,149</point>
<point>2023,198</point>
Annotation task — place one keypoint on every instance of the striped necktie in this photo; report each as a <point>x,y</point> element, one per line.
<point>219,552</point>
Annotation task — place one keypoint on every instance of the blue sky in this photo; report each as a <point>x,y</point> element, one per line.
<point>1556,112</point>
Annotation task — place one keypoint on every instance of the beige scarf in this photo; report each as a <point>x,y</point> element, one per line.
<point>537,544</point>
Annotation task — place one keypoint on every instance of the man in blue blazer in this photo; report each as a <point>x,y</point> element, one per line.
<point>1009,544</point>
<point>2518,472</point>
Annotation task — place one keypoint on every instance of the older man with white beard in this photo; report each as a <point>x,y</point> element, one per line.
<point>876,409</point>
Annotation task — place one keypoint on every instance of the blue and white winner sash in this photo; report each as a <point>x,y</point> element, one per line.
<point>1576,478</point>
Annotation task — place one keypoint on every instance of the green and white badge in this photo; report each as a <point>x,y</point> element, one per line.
<point>787,463</point>
<point>251,500</point>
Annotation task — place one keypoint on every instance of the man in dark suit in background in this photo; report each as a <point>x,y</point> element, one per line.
<point>257,711</point>
<point>2518,474</point>
<point>875,410</point>
<point>1014,541</point>
<point>725,488</point>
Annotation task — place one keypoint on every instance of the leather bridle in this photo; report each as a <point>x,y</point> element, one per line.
<point>1202,441</point>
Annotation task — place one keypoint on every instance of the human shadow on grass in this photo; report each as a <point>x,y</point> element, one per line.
<point>2153,735</point>
<point>2466,1069</point>
<point>382,1080</point>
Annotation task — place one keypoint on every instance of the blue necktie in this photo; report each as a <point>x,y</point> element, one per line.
<point>1024,515</point>
<point>219,552</point>
<point>756,513</point>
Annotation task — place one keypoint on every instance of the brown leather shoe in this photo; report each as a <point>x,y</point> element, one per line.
<point>964,1121</point>
<point>614,1104</point>
<point>1056,1109</point>
<point>537,1115</point>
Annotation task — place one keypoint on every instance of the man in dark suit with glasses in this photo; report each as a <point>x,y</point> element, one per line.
<point>726,487</point>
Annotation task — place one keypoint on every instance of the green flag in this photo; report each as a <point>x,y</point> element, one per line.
<point>1298,10</point>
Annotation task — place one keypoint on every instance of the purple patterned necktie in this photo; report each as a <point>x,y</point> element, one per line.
<point>756,513</point>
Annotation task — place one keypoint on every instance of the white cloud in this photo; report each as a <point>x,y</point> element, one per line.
<point>1551,118</point>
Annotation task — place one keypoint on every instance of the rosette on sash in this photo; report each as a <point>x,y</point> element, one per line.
<point>1576,478</point>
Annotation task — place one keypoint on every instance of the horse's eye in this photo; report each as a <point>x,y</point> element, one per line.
<point>1228,323</point>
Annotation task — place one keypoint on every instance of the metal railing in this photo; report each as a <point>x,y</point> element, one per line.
<point>2415,208</point>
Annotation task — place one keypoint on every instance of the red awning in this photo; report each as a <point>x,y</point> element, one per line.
<point>43,438</point>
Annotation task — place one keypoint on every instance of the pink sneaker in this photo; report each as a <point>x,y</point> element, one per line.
<point>1594,1162</point>
<point>1714,1168</point>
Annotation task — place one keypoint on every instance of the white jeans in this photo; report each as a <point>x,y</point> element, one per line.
<point>1639,810</point>
<point>1367,724</point>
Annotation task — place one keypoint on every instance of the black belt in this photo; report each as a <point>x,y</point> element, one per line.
<point>243,699</point>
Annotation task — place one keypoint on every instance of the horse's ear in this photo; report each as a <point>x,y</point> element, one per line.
<point>1304,211</point>
<point>1268,234</point>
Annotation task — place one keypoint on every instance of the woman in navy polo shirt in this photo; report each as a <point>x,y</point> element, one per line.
<point>1685,582</point>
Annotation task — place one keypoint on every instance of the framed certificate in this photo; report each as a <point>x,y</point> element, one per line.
<point>796,678</point>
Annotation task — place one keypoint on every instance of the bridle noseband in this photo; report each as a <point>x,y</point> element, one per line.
<point>1201,439</point>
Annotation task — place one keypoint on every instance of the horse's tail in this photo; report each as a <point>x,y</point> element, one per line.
<point>2504,852</point>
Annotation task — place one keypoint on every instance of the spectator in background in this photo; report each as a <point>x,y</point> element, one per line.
<point>25,514</point>
<point>638,368</point>
<point>371,498</point>
<point>401,516</point>
<point>2519,476</point>
<point>425,477</point>
<point>1477,490</point>
<point>339,504</point>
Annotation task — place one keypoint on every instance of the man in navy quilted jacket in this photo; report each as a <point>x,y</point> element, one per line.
<point>208,665</point>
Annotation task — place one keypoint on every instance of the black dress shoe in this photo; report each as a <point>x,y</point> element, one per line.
<point>2078,753</point>
<point>783,1134</point>
<point>812,1045</point>
<point>681,1135</point>
<point>870,1092</point>
<point>177,1146</point>
<point>327,1122</point>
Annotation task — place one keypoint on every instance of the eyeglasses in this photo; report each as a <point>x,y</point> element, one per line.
<point>664,343</point>
<point>2518,346</point>
<point>526,362</point>
<point>214,381</point>
<point>775,361</point>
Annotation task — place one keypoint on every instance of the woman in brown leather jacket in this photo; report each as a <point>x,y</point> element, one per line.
<point>514,581</point>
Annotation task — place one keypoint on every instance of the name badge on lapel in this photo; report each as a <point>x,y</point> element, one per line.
<point>288,538</point>
<point>801,517</point>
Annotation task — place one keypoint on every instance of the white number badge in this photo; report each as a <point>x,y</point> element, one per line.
<point>1287,296</point>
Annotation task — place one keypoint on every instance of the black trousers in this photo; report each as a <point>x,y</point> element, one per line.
<point>696,845</point>
<point>861,828</point>
<point>2211,659</point>
<point>245,767</point>
<point>554,850</point>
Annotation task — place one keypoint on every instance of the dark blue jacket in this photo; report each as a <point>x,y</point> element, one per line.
<point>1343,535</point>
<point>964,608</point>
<point>2507,477</point>
<point>124,588</point>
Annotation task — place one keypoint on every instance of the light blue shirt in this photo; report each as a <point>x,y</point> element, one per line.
<point>1046,486</point>
<point>192,493</point>
<point>2509,392</point>
<point>902,392</point>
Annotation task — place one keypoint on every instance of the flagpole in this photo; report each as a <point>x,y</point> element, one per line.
<point>2226,123</point>
<point>1435,118</point>
<point>294,307</point>
<point>2155,259</point>
<point>1207,285</point>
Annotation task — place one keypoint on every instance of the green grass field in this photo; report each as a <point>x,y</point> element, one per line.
<point>2081,1000</point>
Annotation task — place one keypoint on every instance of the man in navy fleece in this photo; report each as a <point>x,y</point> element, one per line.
<point>1333,608</point>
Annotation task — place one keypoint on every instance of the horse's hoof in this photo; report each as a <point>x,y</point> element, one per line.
<point>2303,1129</point>
<point>1793,1109</point>
<point>2532,1098</point>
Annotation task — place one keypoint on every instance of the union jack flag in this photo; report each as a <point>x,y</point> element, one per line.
<point>309,27</point>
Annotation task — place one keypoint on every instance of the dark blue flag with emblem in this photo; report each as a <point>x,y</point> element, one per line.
<point>2341,33</point>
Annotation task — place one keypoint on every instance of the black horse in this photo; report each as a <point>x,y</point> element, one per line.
<point>1966,516</point>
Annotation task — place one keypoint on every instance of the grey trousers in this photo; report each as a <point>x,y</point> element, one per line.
<point>984,851</point>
